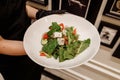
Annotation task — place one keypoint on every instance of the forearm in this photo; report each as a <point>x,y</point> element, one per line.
<point>31,11</point>
<point>11,47</point>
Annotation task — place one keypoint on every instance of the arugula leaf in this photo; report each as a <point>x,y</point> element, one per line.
<point>70,35</point>
<point>61,52</point>
<point>50,46</point>
<point>71,49</point>
<point>54,28</point>
<point>56,52</point>
<point>84,44</point>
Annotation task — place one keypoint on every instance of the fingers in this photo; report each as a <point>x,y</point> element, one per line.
<point>42,13</point>
<point>57,12</point>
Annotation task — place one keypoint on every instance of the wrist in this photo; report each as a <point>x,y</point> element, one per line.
<point>39,14</point>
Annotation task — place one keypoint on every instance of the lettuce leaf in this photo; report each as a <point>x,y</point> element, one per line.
<point>84,44</point>
<point>50,46</point>
<point>71,37</point>
<point>54,28</point>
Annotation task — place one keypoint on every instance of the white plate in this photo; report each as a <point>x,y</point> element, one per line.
<point>32,40</point>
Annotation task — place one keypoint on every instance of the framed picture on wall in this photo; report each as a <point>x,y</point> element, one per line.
<point>113,9</point>
<point>88,9</point>
<point>77,7</point>
<point>109,34</point>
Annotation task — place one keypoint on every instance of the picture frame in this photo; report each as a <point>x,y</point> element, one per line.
<point>112,9</point>
<point>89,11</point>
<point>77,7</point>
<point>55,4</point>
<point>109,33</point>
<point>116,53</point>
<point>42,2</point>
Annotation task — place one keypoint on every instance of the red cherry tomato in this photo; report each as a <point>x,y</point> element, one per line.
<point>45,36</point>
<point>62,26</point>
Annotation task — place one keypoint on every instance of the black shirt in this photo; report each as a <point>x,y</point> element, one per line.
<point>13,24</point>
<point>13,19</point>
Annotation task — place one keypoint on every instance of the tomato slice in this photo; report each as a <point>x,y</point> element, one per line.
<point>66,42</point>
<point>62,26</point>
<point>74,31</point>
<point>42,54</point>
<point>45,36</point>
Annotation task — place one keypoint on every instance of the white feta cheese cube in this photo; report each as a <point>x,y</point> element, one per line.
<point>61,41</point>
<point>57,34</point>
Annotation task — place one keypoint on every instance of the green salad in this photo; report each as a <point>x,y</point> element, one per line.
<point>62,42</point>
